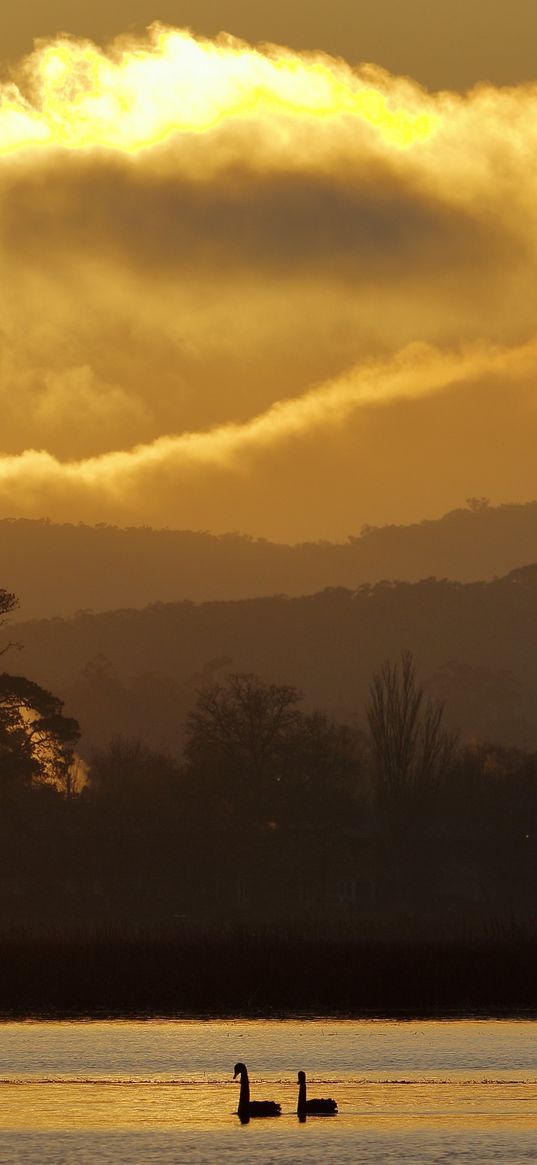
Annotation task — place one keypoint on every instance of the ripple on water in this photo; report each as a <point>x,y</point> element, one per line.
<point>125,1093</point>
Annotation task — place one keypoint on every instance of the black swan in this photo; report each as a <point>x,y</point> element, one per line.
<point>316,1107</point>
<point>247,1107</point>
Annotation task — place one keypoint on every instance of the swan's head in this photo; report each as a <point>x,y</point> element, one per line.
<point>238,1070</point>
<point>301,1077</point>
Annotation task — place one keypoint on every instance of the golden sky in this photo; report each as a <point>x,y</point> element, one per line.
<point>256,287</point>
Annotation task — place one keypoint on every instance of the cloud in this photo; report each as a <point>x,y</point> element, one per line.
<point>73,94</point>
<point>177,462</point>
<point>195,235</point>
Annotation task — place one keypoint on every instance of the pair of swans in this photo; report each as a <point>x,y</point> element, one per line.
<point>258,1108</point>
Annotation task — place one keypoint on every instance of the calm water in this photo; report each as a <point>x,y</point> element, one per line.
<point>121,1093</point>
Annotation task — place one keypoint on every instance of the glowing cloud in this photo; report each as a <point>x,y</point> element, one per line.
<point>136,96</point>
<point>415,372</point>
<point>212,252</point>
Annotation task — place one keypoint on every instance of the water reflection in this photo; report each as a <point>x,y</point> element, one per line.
<point>328,1050</point>
<point>105,1106</point>
<point>162,1092</point>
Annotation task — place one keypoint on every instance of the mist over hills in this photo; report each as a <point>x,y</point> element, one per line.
<point>135,672</point>
<point>61,569</point>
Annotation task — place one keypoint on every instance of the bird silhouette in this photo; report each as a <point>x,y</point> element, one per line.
<point>315,1107</point>
<point>252,1108</point>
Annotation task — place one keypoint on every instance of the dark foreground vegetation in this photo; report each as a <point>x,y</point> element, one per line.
<point>266,974</point>
<point>284,861</point>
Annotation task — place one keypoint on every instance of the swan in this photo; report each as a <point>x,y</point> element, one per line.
<point>247,1107</point>
<point>316,1107</point>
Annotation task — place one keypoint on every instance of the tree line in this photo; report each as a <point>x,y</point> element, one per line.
<point>271,811</point>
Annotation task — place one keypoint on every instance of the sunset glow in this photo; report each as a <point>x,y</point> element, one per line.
<point>268,532</point>
<point>217,259</point>
<point>138,95</point>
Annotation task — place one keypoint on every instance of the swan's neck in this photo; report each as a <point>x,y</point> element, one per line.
<point>301,1094</point>
<point>244,1098</point>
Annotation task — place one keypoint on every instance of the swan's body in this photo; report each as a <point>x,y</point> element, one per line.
<point>315,1107</point>
<point>247,1107</point>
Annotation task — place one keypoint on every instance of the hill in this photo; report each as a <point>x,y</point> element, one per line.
<point>61,569</point>
<point>134,672</point>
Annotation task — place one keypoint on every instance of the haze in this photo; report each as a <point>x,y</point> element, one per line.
<point>266,287</point>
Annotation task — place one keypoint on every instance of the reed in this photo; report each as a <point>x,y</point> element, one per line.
<point>288,973</point>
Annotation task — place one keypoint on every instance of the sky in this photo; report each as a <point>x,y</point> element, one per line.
<point>267,267</point>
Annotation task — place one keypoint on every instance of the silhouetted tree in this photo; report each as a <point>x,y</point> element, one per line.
<point>73,778</point>
<point>243,720</point>
<point>256,754</point>
<point>8,603</point>
<point>36,740</point>
<point>411,749</point>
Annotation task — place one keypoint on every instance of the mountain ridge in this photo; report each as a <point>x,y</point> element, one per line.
<point>59,569</point>
<point>135,673</point>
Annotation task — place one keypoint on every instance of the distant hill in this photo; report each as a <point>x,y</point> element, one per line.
<point>134,672</point>
<point>60,569</point>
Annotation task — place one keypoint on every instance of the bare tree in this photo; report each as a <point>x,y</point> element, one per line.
<point>411,748</point>
<point>244,720</point>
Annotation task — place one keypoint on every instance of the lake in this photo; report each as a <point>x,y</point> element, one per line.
<point>149,1091</point>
